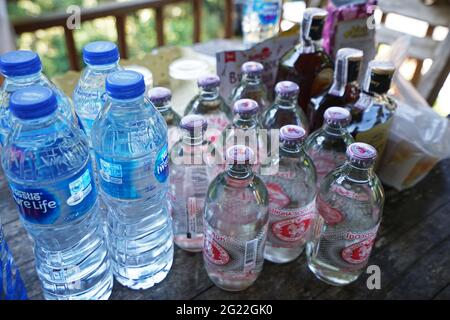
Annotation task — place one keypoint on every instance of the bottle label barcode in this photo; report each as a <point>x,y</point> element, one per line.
<point>251,249</point>
<point>192,211</point>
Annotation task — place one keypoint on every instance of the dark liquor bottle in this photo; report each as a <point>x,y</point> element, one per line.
<point>344,90</point>
<point>372,113</point>
<point>308,64</point>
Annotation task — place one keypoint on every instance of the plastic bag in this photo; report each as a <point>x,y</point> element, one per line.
<point>419,137</point>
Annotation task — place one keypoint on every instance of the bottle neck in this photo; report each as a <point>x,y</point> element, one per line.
<point>209,94</point>
<point>357,174</point>
<point>29,78</point>
<point>286,102</point>
<point>192,140</point>
<point>103,67</point>
<point>163,107</point>
<point>39,122</point>
<point>245,122</point>
<point>292,150</point>
<point>333,130</point>
<point>251,80</point>
<point>240,171</point>
<point>129,104</point>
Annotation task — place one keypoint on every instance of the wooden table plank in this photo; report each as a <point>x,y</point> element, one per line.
<point>443,294</point>
<point>427,277</point>
<point>397,257</point>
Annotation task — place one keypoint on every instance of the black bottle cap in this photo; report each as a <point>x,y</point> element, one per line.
<point>313,23</point>
<point>381,74</point>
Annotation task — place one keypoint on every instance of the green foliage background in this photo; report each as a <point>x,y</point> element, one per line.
<point>141,35</point>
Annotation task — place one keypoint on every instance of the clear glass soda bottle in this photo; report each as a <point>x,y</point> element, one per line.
<point>190,174</point>
<point>252,86</point>
<point>292,193</point>
<point>245,130</point>
<point>235,223</point>
<point>285,109</point>
<point>129,138</point>
<point>101,59</point>
<point>349,206</point>
<point>327,146</point>
<point>161,98</point>
<point>210,104</point>
<point>21,69</point>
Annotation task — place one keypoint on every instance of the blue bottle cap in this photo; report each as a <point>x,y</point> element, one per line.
<point>32,103</point>
<point>125,85</point>
<point>100,53</point>
<point>19,63</point>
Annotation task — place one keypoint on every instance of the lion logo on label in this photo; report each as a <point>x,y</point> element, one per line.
<point>215,253</point>
<point>292,230</point>
<point>359,252</point>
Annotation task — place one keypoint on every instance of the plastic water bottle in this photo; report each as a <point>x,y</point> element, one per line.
<point>210,104</point>
<point>235,223</point>
<point>47,163</point>
<point>327,146</point>
<point>130,142</point>
<point>349,205</point>
<point>292,195</point>
<point>252,86</point>
<point>23,69</point>
<point>101,58</point>
<point>261,20</point>
<point>191,171</point>
<point>11,284</point>
<point>161,99</point>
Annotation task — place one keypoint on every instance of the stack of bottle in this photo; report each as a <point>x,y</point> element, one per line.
<point>107,188</point>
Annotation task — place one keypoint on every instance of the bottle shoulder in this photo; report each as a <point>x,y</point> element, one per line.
<point>123,131</point>
<point>320,140</point>
<point>42,153</point>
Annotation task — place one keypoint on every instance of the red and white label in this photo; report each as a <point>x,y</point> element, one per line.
<point>277,195</point>
<point>331,215</point>
<point>359,252</point>
<point>292,230</point>
<point>295,228</point>
<point>214,252</point>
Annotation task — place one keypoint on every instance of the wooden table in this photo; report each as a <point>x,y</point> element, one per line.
<point>412,251</point>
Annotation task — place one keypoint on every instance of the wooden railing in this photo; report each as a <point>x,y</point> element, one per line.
<point>119,10</point>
